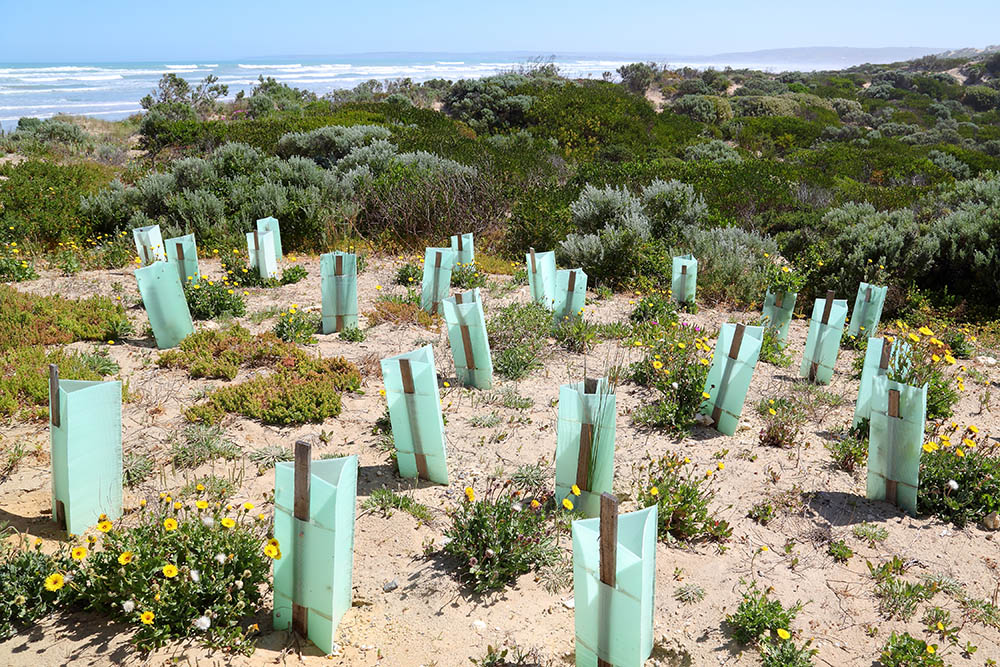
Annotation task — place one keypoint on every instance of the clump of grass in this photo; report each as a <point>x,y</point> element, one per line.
<point>781,427</point>
<point>485,421</point>
<point>201,443</point>
<point>689,593</point>
<point>897,597</point>
<point>402,312</point>
<point>517,336</point>
<point>850,451</point>
<point>136,468</point>
<point>387,500</point>
<point>268,456</point>
<point>784,653</point>
<point>575,334</point>
<point>772,351</point>
<point>871,533</point>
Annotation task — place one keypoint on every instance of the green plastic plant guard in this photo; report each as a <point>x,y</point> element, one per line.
<point>271,225</point>
<point>684,278</point>
<point>542,277</point>
<point>867,310</point>
<point>314,527</point>
<point>778,312</point>
<point>736,352</point>
<point>411,390</point>
<point>614,623</point>
<point>149,244</point>
<point>823,341</point>
<point>465,252</point>
<point>470,346</point>
<point>260,248</point>
<point>338,272</point>
<point>86,438</point>
<point>879,358</point>
<point>166,307</point>
<point>438,263</point>
<point>895,440</point>
<point>183,254</point>
<point>585,443</point>
<point>571,294</point>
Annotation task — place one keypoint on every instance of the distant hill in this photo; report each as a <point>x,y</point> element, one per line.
<point>828,56</point>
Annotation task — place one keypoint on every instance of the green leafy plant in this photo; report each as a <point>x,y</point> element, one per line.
<point>689,593</point>
<point>293,274</point>
<point>387,500</point>
<point>14,267</point>
<point>906,651</point>
<point>850,451</point>
<point>296,326</point>
<point>353,334</point>
<point>682,499</point>
<point>784,653</point>
<point>467,276</point>
<point>959,475</point>
<point>675,366</point>
<point>28,593</point>
<point>500,536</point>
<point>757,616</point>
<point>409,274</point>
<point>266,457</point>
<point>208,299</point>
<point>575,334</point>
<point>772,350</point>
<point>762,512</point>
<point>870,532</point>
<point>840,551</point>
<point>136,468</point>
<point>782,427</point>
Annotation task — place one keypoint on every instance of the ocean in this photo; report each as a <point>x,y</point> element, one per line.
<point>112,90</point>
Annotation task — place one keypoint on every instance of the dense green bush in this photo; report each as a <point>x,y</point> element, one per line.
<point>29,594</point>
<point>682,500</point>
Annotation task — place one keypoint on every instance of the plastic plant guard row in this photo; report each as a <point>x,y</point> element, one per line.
<point>614,572</point>
<point>470,346</point>
<point>823,341</point>
<point>260,249</point>
<point>585,443</point>
<point>896,432</point>
<point>683,282</point>
<point>166,307</point>
<point>542,277</point>
<point>411,390</point>
<point>271,225</point>
<point>182,252</point>
<point>867,310</point>
<point>465,252</point>
<point>571,294</point>
<point>438,263</point>
<point>879,358</point>
<point>339,288</point>
<point>314,524</point>
<point>149,244</point>
<point>85,431</point>
<point>778,312</point>
<point>736,354</point>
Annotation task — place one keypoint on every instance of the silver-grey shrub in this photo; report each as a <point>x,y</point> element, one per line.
<point>731,263</point>
<point>672,206</point>
<point>596,208</point>
<point>712,151</point>
<point>327,145</point>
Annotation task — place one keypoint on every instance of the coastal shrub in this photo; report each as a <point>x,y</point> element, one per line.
<point>208,300</point>
<point>758,616</point>
<point>712,151</point>
<point>221,353</point>
<point>675,366</point>
<point>704,108</point>
<point>30,591</point>
<point>28,319</point>
<point>24,377</point>
<point>682,500</point>
<point>981,98</point>
<point>198,571</point>
<point>499,535</point>
<point>328,145</point>
<point>517,335</point>
<point>960,479</point>
<point>732,263</point>
<point>637,77</point>
<point>671,206</point>
<point>14,266</point>
<point>490,103</point>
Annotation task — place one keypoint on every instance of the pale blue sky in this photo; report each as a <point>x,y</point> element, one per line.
<point>71,30</point>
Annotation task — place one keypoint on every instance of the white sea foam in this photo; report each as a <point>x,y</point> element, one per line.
<point>268,66</point>
<point>67,105</point>
<point>181,66</point>
<point>120,112</point>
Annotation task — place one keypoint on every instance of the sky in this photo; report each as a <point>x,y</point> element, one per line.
<point>137,30</point>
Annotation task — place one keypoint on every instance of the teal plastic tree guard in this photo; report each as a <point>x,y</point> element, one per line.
<point>271,225</point>
<point>614,621</point>
<point>867,310</point>
<point>571,294</point>
<point>895,440</point>
<point>183,254</point>
<point>585,443</point>
<point>438,263</point>
<point>149,244</point>
<point>879,358</point>
<point>470,346</point>
<point>411,391</point>
<point>465,252</point>
<point>314,525</point>
<point>260,248</point>
<point>684,279</point>
<point>736,352</point>
<point>823,341</point>
<point>542,277</point>
<point>778,312</point>
<point>338,272</point>
<point>85,420</point>
<point>166,307</point>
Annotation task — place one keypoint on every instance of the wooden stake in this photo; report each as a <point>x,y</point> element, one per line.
<point>779,299</point>
<point>145,251</point>
<point>531,251</point>
<point>886,351</point>
<point>338,270</point>
<point>460,247</point>
<point>55,417</point>
<point>684,283</point>
<point>408,390</point>
<point>303,478</point>
<point>570,286</point>
<point>437,278</point>
<point>586,442</point>
<point>180,252</point>
<point>609,568</point>
<point>827,307</point>
<point>891,486</point>
<point>734,354</point>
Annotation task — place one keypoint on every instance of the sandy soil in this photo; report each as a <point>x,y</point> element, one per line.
<point>430,619</point>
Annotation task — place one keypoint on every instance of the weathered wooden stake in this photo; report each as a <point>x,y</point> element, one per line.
<point>586,442</point>
<point>303,475</point>
<point>684,283</point>
<point>734,354</point>
<point>532,253</point>
<point>54,414</point>
<point>570,286</point>
<point>779,299</point>
<point>827,307</point>
<point>609,568</point>
<point>886,351</point>
<point>421,459</point>
<point>338,270</point>
<point>434,296</point>
<point>891,487</point>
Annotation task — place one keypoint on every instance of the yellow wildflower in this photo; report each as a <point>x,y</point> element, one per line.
<point>169,570</point>
<point>567,503</point>
<point>575,489</point>
<point>125,557</point>
<point>148,616</point>
<point>54,582</point>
